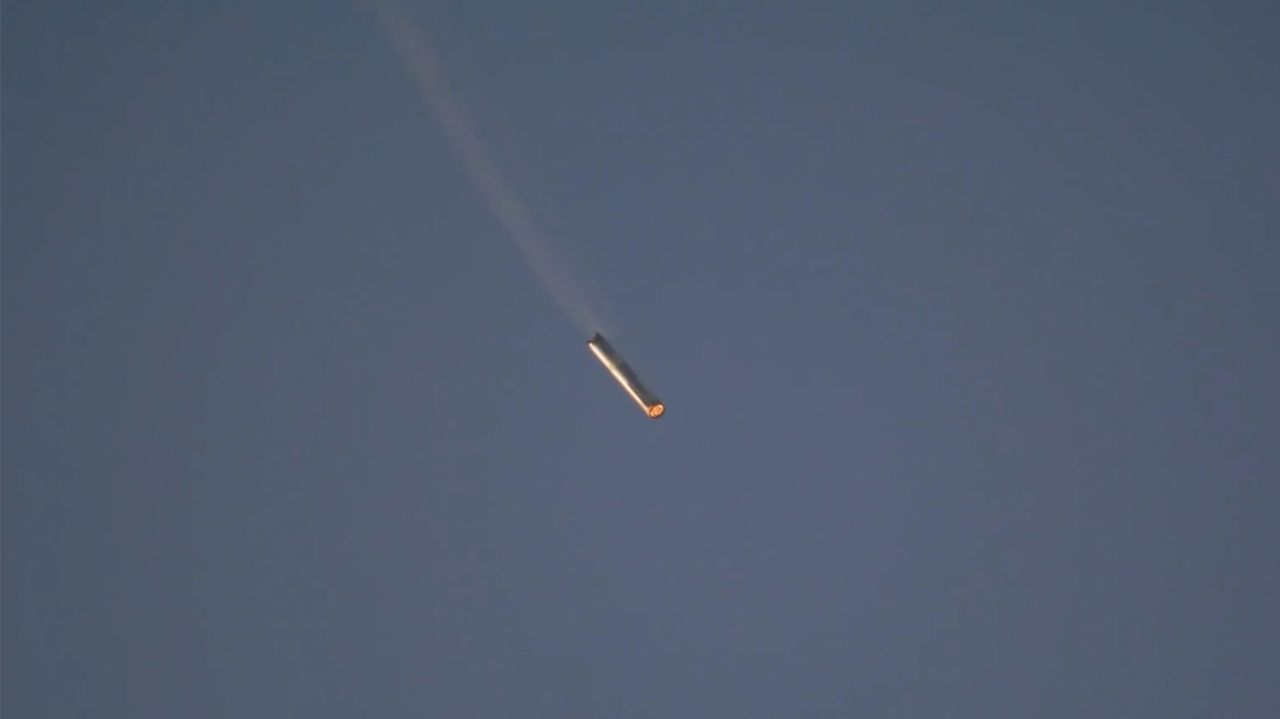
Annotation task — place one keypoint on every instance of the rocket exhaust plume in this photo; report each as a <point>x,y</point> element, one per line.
<point>428,72</point>
<point>613,362</point>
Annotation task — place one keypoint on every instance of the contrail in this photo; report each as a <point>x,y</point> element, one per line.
<point>425,67</point>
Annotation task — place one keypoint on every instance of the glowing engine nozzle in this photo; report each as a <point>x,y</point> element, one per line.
<point>608,356</point>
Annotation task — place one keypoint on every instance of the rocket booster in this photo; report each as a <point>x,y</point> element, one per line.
<point>612,361</point>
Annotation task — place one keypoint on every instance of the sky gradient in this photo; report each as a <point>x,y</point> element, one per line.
<point>965,318</point>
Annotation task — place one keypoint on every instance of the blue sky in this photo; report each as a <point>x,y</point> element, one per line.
<point>965,319</point>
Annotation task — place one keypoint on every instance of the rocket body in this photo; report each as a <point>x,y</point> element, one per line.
<point>612,361</point>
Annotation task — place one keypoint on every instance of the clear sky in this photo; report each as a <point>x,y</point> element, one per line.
<point>965,315</point>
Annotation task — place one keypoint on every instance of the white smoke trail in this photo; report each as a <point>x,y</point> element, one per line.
<point>427,71</point>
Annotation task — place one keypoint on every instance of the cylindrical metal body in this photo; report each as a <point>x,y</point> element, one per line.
<point>612,361</point>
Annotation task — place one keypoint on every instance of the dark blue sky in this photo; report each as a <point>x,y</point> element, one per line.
<point>965,316</point>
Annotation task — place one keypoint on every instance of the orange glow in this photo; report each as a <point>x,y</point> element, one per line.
<point>655,410</point>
